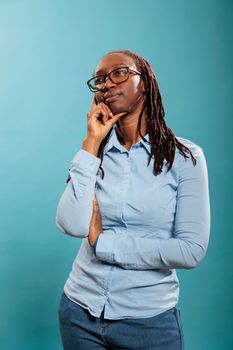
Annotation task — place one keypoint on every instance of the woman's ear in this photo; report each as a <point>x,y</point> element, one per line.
<point>143,87</point>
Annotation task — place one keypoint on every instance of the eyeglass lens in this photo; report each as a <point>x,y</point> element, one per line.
<point>117,76</point>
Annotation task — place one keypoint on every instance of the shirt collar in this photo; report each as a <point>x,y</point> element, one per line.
<point>114,142</point>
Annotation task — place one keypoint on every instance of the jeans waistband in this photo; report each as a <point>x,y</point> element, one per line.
<point>173,309</point>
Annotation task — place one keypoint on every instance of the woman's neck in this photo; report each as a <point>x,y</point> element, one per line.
<point>127,129</point>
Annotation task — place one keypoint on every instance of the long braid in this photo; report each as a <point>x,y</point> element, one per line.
<point>162,140</point>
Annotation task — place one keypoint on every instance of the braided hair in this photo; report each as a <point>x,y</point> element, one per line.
<point>162,140</point>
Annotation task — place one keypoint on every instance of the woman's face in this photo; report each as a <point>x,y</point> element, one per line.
<point>128,93</point>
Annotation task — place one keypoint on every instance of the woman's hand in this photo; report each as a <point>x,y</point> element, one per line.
<point>101,120</point>
<point>95,228</point>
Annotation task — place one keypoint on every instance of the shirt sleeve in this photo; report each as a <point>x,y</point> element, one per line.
<point>75,207</point>
<point>189,240</point>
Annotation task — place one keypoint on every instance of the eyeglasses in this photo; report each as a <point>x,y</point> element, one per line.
<point>117,76</point>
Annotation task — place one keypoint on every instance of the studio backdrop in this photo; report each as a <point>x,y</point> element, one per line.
<point>48,50</point>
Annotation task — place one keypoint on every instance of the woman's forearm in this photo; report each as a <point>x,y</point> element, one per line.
<point>75,207</point>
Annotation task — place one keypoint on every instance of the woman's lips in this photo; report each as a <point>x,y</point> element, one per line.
<point>111,99</point>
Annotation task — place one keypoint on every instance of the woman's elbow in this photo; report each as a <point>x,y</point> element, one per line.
<point>71,219</point>
<point>197,254</point>
<point>77,228</point>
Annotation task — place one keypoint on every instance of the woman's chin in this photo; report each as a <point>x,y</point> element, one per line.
<point>116,109</point>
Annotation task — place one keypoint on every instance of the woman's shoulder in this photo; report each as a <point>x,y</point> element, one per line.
<point>187,168</point>
<point>194,148</point>
<point>196,151</point>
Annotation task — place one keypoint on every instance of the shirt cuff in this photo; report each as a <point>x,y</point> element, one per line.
<point>105,250</point>
<point>85,161</point>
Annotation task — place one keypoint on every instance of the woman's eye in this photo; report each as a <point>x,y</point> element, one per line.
<point>120,73</point>
<point>99,80</point>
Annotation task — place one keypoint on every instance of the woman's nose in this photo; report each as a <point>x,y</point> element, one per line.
<point>108,83</point>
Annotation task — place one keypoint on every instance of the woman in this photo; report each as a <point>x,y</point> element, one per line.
<point>138,196</point>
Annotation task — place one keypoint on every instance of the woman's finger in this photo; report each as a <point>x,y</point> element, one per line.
<point>105,111</point>
<point>99,111</point>
<point>95,205</point>
<point>93,103</point>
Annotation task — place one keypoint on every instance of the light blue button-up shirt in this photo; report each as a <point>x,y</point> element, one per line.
<point>152,225</point>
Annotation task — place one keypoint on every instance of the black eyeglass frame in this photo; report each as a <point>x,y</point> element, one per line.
<point>108,76</point>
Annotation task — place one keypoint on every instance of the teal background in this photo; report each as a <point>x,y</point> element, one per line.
<point>48,49</point>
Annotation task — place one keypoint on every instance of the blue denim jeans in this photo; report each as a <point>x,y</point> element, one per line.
<point>82,331</point>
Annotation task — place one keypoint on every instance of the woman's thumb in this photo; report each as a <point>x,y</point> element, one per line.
<point>115,118</point>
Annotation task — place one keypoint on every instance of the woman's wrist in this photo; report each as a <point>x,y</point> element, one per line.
<point>91,145</point>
